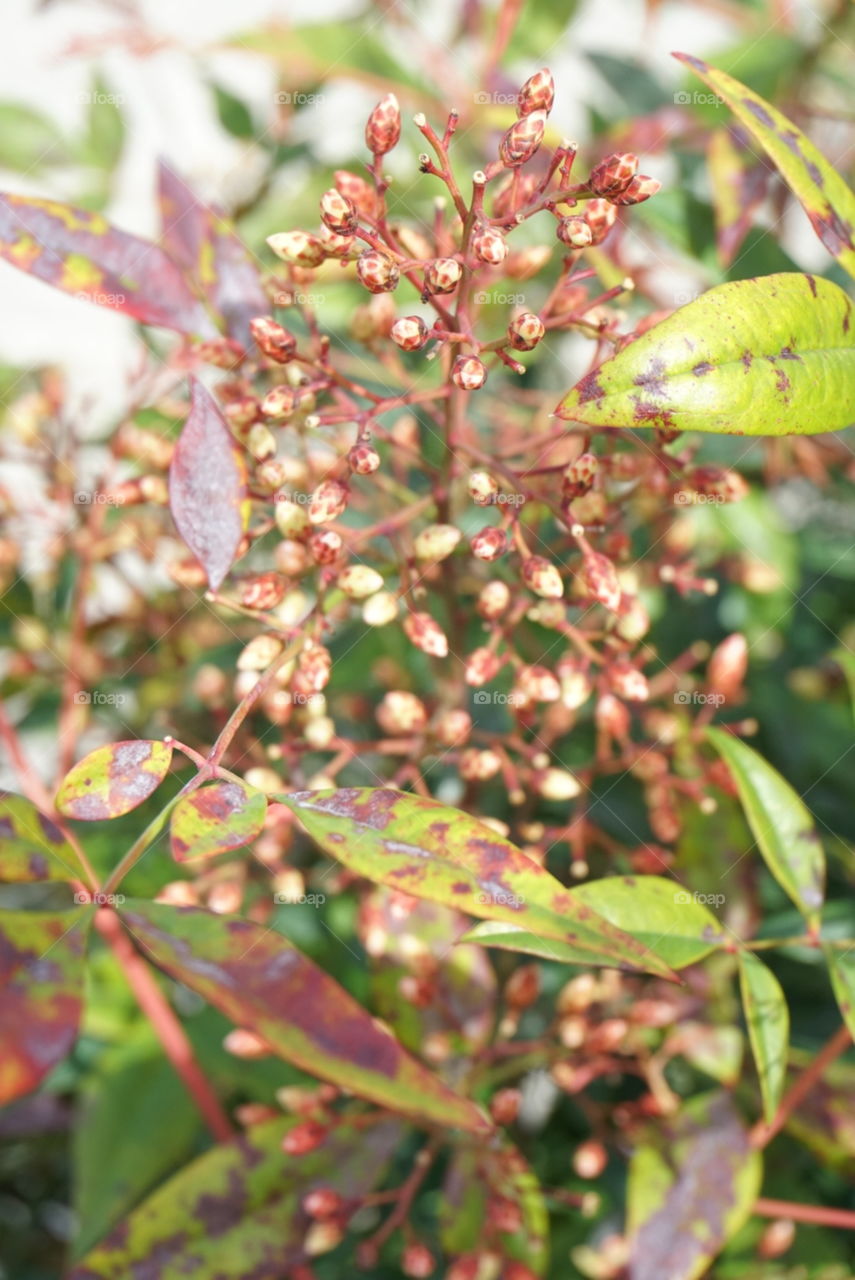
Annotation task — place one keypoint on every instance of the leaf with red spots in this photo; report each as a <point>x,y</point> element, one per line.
<point>207,486</point>
<point>492,1195</point>
<point>780,823</point>
<point>215,819</point>
<point>82,254</point>
<point>430,851</point>
<point>773,356</point>
<point>841,969</point>
<point>236,1212</point>
<point>31,846</point>
<point>825,197</point>
<point>257,978</point>
<point>203,242</point>
<point>41,993</point>
<point>113,780</point>
<point>739,183</point>
<point>692,1184</point>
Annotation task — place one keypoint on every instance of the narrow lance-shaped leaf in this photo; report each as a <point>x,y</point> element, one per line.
<point>31,846</point>
<point>41,978</point>
<point>692,1185</point>
<point>432,851</point>
<point>825,197</point>
<point>779,822</point>
<point>215,819</point>
<point>739,184</point>
<point>257,978</point>
<point>768,1022</point>
<point>113,780</point>
<point>841,970</point>
<point>203,242</point>
<point>82,254</point>
<point>237,1211</point>
<point>207,486</point>
<point>773,356</point>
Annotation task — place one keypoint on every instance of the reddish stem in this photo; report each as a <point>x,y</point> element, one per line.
<point>762,1134</point>
<point>818,1214</point>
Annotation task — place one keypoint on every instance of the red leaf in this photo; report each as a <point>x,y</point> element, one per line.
<point>82,254</point>
<point>207,486</point>
<point>203,242</point>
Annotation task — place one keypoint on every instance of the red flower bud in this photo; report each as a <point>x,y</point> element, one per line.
<point>303,1138</point>
<point>727,667</point>
<point>357,190</point>
<point>263,592</point>
<point>426,634</point>
<point>525,331</point>
<point>322,1203</point>
<point>600,216</point>
<point>418,1261</point>
<point>579,475</point>
<point>505,1105</point>
<point>490,543</point>
<point>274,341</point>
<point>640,189</point>
<point>410,333</point>
<point>384,126</point>
<point>325,545</point>
<point>590,1159</point>
<point>363,458</point>
<point>537,94</point>
<point>522,139</point>
<point>614,174</point>
<point>541,577</point>
<point>599,579</point>
<point>468,373</point>
<point>338,212</point>
<point>377,271</point>
<point>482,665</point>
<point>442,275</point>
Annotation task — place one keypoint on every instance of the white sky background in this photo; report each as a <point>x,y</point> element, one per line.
<point>169,110</point>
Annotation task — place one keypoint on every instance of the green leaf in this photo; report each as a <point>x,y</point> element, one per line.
<point>841,970</point>
<point>779,822</point>
<point>236,1211</point>
<point>825,197</point>
<point>431,851</point>
<point>260,981</point>
<point>215,819</point>
<point>771,356</point>
<point>113,780</point>
<point>845,659</point>
<point>768,1022</point>
<point>31,846</point>
<point>41,977</point>
<point>510,937</point>
<point>28,139</point>
<point>475,1178</point>
<point>692,1185</point>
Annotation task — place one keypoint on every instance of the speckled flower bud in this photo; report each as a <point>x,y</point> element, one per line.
<point>259,653</point>
<point>272,339</point>
<point>628,682</point>
<point>283,401</point>
<point>358,190</point>
<point>292,519</point>
<point>611,716</point>
<point>338,212</point>
<point>337,246</point>
<point>426,634</point>
<point>468,373</point>
<point>640,189</point>
<point>614,174</point>
<point>436,542</point>
<point>325,546</point>
<point>442,275</point>
<point>522,139</point>
<point>363,458</point>
<point>576,684</point>
<point>537,94</point>
<point>380,609</point>
<point>260,442</point>
<point>377,271</point>
<point>601,216</point>
<point>358,581</point>
<point>489,246</point>
<point>493,599</point>
<point>410,333</point>
<point>579,475</point>
<point>537,684</point>
<point>297,247</point>
<point>574,232</point>
<point>525,331</point>
<point>452,727</point>
<point>490,543</point>
<point>264,591</point>
<point>541,577</point>
<point>482,665</point>
<point>598,577</point>
<point>384,126</point>
<point>401,713</point>
<point>329,501</point>
<point>479,766</point>
<point>482,487</point>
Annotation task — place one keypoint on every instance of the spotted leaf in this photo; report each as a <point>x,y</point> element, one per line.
<point>207,486</point>
<point>113,780</point>
<point>773,356</point>
<point>31,846</point>
<point>825,197</point>
<point>82,254</point>
<point>41,992</point>
<point>257,978</point>
<point>428,850</point>
<point>215,819</point>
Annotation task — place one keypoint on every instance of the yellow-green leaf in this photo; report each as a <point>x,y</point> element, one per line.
<point>841,969</point>
<point>113,780</point>
<point>31,846</point>
<point>768,1022</point>
<point>216,819</point>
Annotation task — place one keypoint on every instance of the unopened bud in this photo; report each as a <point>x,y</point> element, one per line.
<point>284,401</point>
<point>505,1105</point>
<point>777,1238</point>
<point>612,717</point>
<point>322,1203</point>
<point>468,373</point>
<point>479,766</point>
<point>329,501</point>
<point>575,232</point>
<point>537,94</point>
<point>557,785</point>
<point>442,275</point>
<point>525,331</point>
<point>380,609</point>
<point>357,190</point>
<point>482,665</point>
<point>410,333</point>
<point>482,487</point>
<point>493,599</point>
<point>600,216</point>
<point>358,581</point>
<point>426,634</point>
<point>325,546</point>
<point>292,519</point>
<point>384,126</point>
<point>536,684</point>
<point>727,666</point>
<point>542,578</point>
<point>436,542</point>
<point>321,1238</point>
<point>633,620</point>
<point>377,271</point>
<point>579,475</point>
<point>590,1159</point>
<point>265,591</point>
<point>363,458</point>
<point>488,544</point>
<point>272,339</point>
<point>522,139</point>
<point>246,1044</point>
<point>452,727</point>
<point>297,247</point>
<point>628,682</point>
<point>490,246</point>
<point>338,212</point>
<point>598,578</point>
<point>640,189</point>
<point>576,684</point>
<point>523,986</point>
<point>614,174</point>
<point>401,713</point>
<point>417,1261</point>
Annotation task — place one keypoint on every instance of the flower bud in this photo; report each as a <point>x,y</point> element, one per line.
<point>442,275</point>
<point>522,139</point>
<point>523,986</point>
<point>338,212</point>
<point>505,1105</point>
<point>417,1261</point>
<point>479,766</point>
<point>380,609</point>
<point>284,401</point>
<point>575,232</point>
<point>600,216</point>
<point>313,671</point>
<point>640,189</point>
<point>727,667</point>
<point>489,543</point>
<point>611,716</point>
<point>576,684</point>
<point>633,621</point>
<point>436,542</point>
<point>493,599</point>
<point>292,520</point>
<point>452,727</point>
<point>557,785</point>
<point>401,713</point>
<point>324,546</point>
<point>525,331</point>
<point>246,1044</point>
<point>297,247</point>
<point>628,682</point>
<point>358,581</point>
<point>490,246</point>
<point>377,271</point>
<point>336,246</point>
<point>777,1238</point>
<point>363,458</point>
<point>598,578</point>
<point>272,339</point>
<point>537,94</point>
<point>384,126</point>
<point>426,634</point>
<point>482,665</point>
<point>590,1159</point>
<point>260,442</point>
<point>329,501</point>
<point>410,333</point>
<point>242,412</point>
<point>468,373</point>
<point>322,1203</point>
<point>482,487</point>
<point>614,174</point>
<point>304,1137</point>
<point>542,578</point>
<point>265,591</point>
<point>537,684</point>
<point>579,475</point>
<point>356,189</point>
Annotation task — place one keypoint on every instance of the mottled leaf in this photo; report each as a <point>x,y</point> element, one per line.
<point>474,1180</point>
<point>739,183</point>
<point>692,1184</point>
<point>765,357</point>
<point>510,937</point>
<point>82,254</point>
<point>257,978</point>
<point>207,486</point>
<point>215,819</point>
<point>768,1021</point>
<point>779,822</point>
<point>203,242</point>
<point>113,780</point>
<point>236,1212</point>
<point>41,990</point>
<point>825,197</point>
<point>431,851</point>
<point>841,969</point>
<point>31,846</point>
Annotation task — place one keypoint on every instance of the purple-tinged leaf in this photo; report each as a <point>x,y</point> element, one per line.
<point>216,819</point>
<point>41,993</point>
<point>82,254</point>
<point>207,486</point>
<point>236,1212</point>
<point>739,184</point>
<point>113,780</point>
<point>203,242</point>
<point>31,846</point>
<point>257,978</point>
